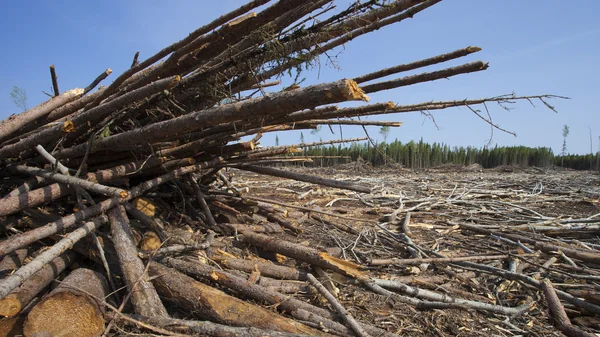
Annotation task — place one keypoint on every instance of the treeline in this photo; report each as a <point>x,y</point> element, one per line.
<point>421,155</point>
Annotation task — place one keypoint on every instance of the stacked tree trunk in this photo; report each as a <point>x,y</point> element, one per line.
<point>124,178</point>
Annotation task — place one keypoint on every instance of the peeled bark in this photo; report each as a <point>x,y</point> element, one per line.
<point>74,308</point>
<point>216,306</point>
<point>303,253</point>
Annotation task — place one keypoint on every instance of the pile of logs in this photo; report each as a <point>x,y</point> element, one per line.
<point>103,188</point>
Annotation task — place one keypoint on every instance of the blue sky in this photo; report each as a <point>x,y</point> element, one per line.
<point>533,46</point>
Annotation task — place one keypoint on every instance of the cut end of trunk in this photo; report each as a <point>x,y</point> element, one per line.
<point>108,71</point>
<point>75,92</point>
<point>241,19</point>
<point>150,242</point>
<point>12,326</point>
<point>390,105</point>
<point>65,314</point>
<point>354,92</point>
<point>145,206</point>
<point>472,49</point>
<point>9,306</point>
<point>174,81</point>
<point>68,126</point>
<point>123,194</point>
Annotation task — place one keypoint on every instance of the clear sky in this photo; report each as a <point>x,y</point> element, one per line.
<point>533,46</point>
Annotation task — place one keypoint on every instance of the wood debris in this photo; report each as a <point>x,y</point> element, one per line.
<point>141,208</point>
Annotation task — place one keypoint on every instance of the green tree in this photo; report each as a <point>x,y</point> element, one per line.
<point>19,97</point>
<point>302,137</point>
<point>276,140</point>
<point>565,133</point>
<point>315,132</point>
<point>385,131</point>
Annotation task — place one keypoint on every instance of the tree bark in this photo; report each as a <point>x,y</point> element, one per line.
<point>305,177</point>
<point>61,178</point>
<point>204,328</point>
<point>242,286</point>
<point>277,104</point>
<point>144,298</point>
<point>303,253</point>
<point>265,268</point>
<point>561,319</point>
<point>80,122</point>
<point>214,305</point>
<point>74,308</point>
<point>13,124</point>
<point>14,302</point>
<point>18,277</point>
<point>13,261</point>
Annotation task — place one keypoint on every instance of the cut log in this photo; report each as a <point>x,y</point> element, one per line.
<point>144,298</point>
<point>242,286</point>
<point>11,326</point>
<point>204,328</point>
<point>266,268</point>
<point>306,177</point>
<point>74,308</point>
<point>303,253</point>
<point>216,306</point>
<point>10,126</point>
<point>14,302</point>
<point>12,261</point>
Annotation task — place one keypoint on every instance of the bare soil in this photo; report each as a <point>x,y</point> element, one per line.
<point>523,198</point>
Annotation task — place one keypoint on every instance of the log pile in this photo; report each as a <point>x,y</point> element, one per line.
<point>122,197</point>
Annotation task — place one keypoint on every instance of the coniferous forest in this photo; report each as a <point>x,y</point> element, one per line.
<point>422,155</point>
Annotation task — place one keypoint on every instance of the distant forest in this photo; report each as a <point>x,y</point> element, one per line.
<point>420,155</point>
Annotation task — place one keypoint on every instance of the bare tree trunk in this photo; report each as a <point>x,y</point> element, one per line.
<point>144,298</point>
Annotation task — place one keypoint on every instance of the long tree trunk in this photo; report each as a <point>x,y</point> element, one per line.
<point>144,297</point>
<point>214,305</point>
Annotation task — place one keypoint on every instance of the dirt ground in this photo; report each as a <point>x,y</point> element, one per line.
<point>519,200</point>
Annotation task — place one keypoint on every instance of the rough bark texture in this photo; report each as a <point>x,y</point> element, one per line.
<point>74,308</point>
<point>13,204</point>
<point>17,278</point>
<point>278,104</point>
<point>144,297</point>
<point>266,268</point>
<point>204,328</point>
<point>214,305</point>
<point>10,126</point>
<point>12,261</point>
<point>302,253</point>
<point>14,302</point>
<point>242,286</point>
<point>306,177</point>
